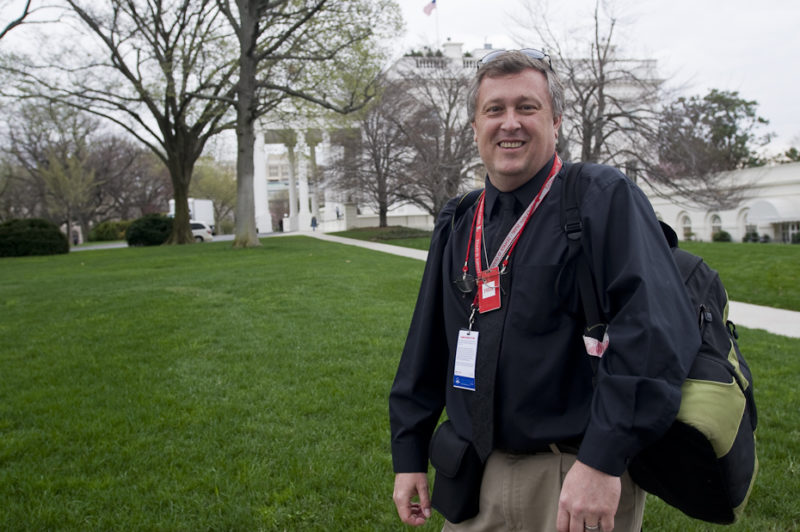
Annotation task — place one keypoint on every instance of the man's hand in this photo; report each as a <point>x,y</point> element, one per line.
<point>407,486</point>
<point>589,498</point>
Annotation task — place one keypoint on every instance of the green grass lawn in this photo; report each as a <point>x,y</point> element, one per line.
<point>753,273</point>
<point>203,388</point>
<point>395,235</point>
<point>762,274</point>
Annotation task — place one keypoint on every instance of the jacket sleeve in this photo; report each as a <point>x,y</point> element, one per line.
<point>652,328</point>
<point>417,396</point>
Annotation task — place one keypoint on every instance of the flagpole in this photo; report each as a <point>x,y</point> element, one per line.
<point>438,41</point>
<point>427,9</point>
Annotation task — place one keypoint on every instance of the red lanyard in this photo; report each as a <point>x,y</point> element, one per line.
<point>511,239</point>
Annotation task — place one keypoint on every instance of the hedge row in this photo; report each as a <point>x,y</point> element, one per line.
<point>33,236</point>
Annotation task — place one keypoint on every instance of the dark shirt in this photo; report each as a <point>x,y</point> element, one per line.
<point>544,391</point>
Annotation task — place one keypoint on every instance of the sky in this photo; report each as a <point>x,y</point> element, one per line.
<point>752,47</point>
<point>733,45</point>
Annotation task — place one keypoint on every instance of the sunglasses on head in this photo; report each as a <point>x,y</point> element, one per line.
<point>529,52</point>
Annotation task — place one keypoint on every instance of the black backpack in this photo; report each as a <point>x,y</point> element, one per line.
<point>706,463</point>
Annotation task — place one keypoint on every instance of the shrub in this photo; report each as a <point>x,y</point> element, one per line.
<point>34,236</point>
<point>796,238</point>
<point>752,236</point>
<point>721,236</point>
<point>111,230</point>
<point>149,230</point>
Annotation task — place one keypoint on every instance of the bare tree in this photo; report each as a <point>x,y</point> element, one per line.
<point>316,51</point>
<point>618,112</point>
<point>132,180</point>
<point>374,157</point>
<point>612,102</point>
<point>436,127</point>
<point>19,19</point>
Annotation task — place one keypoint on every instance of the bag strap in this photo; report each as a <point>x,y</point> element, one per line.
<point>467,200</point>
<point>571,196</point>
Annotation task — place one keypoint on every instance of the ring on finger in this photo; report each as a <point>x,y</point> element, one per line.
<point>591,527</point>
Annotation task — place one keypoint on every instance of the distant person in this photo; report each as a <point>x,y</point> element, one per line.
<point>313,223</point>
<point>530,442</point>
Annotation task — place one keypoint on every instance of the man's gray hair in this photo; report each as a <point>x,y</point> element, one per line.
<point>514,62</point>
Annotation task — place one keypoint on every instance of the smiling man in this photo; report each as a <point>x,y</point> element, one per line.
<point>515,127</point>
<point>530,441</point>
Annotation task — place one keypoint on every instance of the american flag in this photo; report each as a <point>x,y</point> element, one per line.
<point>430,7</point>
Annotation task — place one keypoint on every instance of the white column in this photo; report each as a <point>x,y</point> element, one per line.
<point>260,194</point>
<point>314,187</point>
<point>292,220</point>
<point>304,215</point>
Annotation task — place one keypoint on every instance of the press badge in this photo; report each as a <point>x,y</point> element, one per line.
<point>466,355</point>
<point>489,290</point>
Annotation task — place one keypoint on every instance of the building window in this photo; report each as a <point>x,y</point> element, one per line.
<point>274,170</point>
<point>792,233</point>
<point>686,225</point>
<point>750,230</point>
<point>716,224</point>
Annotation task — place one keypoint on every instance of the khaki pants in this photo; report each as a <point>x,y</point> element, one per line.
<point>520,492</point>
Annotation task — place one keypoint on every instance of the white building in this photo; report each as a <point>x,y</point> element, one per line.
<point>287,158</point>
<point>770,207</point>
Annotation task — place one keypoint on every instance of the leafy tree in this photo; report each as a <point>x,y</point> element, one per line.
<point>317,51</point>
<point>168,72</point>
<point>792,155</point>
<point>701,138</point>
<point>215,181</point>
<point>70,185</point>
<point>50,148</point>
<point>713,133</point>
<point>51,151</point>
<point>161,69</point>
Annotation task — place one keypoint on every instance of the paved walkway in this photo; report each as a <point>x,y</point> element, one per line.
<point>777,321</point>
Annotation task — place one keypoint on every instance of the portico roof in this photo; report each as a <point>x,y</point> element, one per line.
<point>774,210</point>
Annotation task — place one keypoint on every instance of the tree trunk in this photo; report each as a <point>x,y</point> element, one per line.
<point>383,214</point>
<point>69,228</point>
<point>246,233</point>
<point>180,172</point>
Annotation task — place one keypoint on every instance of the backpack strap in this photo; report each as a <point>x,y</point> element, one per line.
<point>571,195</point>
<point>467,200</point>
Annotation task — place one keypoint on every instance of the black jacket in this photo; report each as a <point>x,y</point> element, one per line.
<point>544,392</point>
